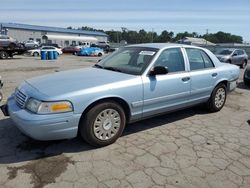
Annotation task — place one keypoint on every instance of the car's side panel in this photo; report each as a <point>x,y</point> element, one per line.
<point>202,84</point>
<point>165,93</point>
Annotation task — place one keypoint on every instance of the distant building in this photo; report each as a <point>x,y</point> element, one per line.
<point>195,41</point>
<point>44,34</point>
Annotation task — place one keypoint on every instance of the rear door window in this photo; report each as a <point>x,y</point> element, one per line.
<point>198,59</point>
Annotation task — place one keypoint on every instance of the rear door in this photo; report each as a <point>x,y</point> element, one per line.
<point>203,75</point>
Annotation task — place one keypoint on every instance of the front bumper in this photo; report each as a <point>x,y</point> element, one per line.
<point>44,127</point>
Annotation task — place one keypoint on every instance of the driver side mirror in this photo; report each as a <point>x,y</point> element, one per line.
<point>158,70</point>
<point>234,54</point>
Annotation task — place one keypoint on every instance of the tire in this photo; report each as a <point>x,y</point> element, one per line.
<point>35,54</point>
<point>100,54</point>
<point>97,124</point>
<point>247,83</point>
<point>244,64</point>
<point>217,98</point>
<point>4,55</point>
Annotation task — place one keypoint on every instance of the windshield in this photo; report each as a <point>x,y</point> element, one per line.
<point>129,60</point>
<point>225,52</point>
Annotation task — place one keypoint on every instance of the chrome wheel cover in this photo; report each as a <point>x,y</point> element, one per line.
<point>220,97</point>
<point>107,124</point>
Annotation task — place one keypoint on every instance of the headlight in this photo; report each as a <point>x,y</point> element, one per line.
<point>39,107</point>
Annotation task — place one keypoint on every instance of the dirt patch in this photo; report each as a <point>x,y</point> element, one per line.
<point>42,171</point>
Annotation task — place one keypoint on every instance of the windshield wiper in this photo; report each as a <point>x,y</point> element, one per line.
<point>112,69</point>
<point>98,66</point>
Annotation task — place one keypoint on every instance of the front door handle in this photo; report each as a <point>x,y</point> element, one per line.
<point>214,74</point>
<point>185,79</point>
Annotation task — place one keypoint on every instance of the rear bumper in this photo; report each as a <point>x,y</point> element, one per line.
<point>232,85</point>
<point>44,127</point>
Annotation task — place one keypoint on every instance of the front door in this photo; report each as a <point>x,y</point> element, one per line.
<point>170,91</point>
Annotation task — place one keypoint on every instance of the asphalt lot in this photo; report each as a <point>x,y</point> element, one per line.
<point>189,148</point>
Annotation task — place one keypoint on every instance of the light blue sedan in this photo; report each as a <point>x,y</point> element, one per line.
<point>134,83</point>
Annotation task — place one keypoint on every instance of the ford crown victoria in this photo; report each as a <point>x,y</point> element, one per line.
<point>134,83</point>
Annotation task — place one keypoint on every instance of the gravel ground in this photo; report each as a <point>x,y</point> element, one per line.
<point>189,148</point>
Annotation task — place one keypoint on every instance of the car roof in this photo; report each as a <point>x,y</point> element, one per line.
<point>160,45</point>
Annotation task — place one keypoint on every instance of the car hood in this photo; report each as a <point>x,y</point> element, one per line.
<point>62,83</point>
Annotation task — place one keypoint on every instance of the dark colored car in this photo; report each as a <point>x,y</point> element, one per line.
<point>247,76</point>
<point>233,56</point>
<point>103,45</point>
<point>7,42</point>
<point>71,49</point>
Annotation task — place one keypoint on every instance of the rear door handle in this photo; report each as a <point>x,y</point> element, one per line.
<point>185,79</point>
<point>214,74</point>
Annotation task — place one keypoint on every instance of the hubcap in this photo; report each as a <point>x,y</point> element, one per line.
<point>220,97</point>
<point>107,124</point>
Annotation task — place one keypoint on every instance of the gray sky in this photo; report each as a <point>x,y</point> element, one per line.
<point>172,15</point>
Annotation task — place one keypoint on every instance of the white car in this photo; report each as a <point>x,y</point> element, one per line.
<point>31,44</point>
<point>37,52</point>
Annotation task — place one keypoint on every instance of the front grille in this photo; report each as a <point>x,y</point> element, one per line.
<point>20,98</point>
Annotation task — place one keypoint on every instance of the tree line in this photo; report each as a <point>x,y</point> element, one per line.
<point>143,36</point>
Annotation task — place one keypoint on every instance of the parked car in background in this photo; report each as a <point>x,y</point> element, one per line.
<point>103,45</point>
<point>85,44</point>
<point>37,52</point>
<point>134,83</point>
<point>1,85</point>
<point>71,49</point>
<point>246,76</point>
<point>7,42</point>
<point>31,44</point>
<point>92,51</point>
<point>234,56</point>
<point>50,44</point>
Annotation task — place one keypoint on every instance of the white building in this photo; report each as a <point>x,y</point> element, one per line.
<point>43,34</point>
<point>196,41</point>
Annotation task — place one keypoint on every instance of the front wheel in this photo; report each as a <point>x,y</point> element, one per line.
<point>103,124</point>
<point>4,55</point>
<point>217,98</point>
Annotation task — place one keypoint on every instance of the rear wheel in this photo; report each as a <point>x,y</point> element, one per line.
<point>4,55</point>
<point>35,54</point>
<point>103,124</point>
<point>217,98</point>
<point>99,54</point>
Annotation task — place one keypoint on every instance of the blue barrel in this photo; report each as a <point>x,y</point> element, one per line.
<point>50,55</point>
<point>43,55</point>
<point>55,54</point>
